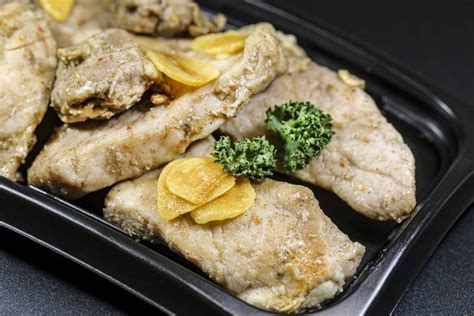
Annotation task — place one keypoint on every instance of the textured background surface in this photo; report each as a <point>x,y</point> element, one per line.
<point>434,39</point>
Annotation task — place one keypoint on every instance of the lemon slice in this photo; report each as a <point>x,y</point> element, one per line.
<point>219,44</point>
<point>59,10</point>
<point>231,204</point>
<point>184,69</point>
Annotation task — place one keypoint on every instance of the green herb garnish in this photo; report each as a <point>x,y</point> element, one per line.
<point>304,130</point>
<point>250,158</point>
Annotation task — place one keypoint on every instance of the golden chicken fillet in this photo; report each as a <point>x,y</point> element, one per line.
<point>366,163</point>
<point>88,157</point>
<point>83,19</point>
<point>283,254</point>
<point>101,77</point>
<point>27,64</point>
<point>164,17</point>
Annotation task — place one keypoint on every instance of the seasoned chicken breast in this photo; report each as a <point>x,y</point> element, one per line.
<point>100,77</point>
<point>88,17</point>
<point>164,17</point>
<point>367,164</point>
<point>283,254</point>
<point>17,1</point>
<point>27,64</point>
<point>88,157</point>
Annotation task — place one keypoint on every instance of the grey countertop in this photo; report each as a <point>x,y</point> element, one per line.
<point>433,38</point>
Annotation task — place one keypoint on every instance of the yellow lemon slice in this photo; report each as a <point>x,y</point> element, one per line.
<point>187,70</point>
<point>219,44</point>
<point>59,10</point>
<point>231,204</point>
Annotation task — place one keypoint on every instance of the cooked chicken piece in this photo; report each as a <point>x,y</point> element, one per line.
<point>367,164</point>
<point>84,158</point>
<point>165,17</point>
<point>88,17</point>
<point>27,64</point>
<point>295,55</point>
<point>101,77</point>
<point>17,1</point>
<point>283,254</point>
<point>110,60</point>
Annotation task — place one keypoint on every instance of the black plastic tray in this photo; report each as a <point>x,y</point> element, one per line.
<point>434,125</point>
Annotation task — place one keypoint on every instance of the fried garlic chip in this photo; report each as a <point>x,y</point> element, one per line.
<point>231,204</point>
<point>184,69</point>
<point>219,44</point>
<point>59,10</point>
<point>198,180</point>
<point>170,206</point>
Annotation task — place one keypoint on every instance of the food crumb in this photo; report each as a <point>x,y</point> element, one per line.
<point>350,79</point>
<point>158,99</point>
<point>257,220</point>
<point>342,163</point>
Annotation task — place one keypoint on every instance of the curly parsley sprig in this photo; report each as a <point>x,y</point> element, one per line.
<point>250,158</point>
<point>304,130</point>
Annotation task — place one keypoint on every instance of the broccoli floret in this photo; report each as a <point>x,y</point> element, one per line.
<point>303,129</point>
<point>250,158</point>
